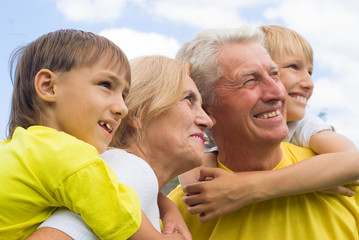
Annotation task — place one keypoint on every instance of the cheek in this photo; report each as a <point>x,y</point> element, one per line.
<point>286,82</point>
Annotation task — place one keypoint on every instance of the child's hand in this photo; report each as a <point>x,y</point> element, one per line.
<point>221,192</point>
<point>172,225</point>
<point>346,191</point>
<point>171,218</point>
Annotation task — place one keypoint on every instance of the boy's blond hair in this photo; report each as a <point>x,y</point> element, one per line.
<point>281,41</point>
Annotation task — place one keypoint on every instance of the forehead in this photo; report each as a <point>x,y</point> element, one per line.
<point>243,57</point>
<point>116,67</point>
<point>293,57</point>
<point>189,85</point>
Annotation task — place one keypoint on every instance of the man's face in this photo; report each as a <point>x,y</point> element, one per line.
<point>251,97</point>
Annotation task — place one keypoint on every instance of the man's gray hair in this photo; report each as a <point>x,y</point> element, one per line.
<point>203,50</point>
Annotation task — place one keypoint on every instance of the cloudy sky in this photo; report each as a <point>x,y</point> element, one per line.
<point>142,27</point>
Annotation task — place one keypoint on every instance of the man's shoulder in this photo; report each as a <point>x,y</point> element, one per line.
<point>295,153</point>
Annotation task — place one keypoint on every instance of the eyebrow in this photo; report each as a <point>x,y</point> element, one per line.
<point>191,93</point>
<point>245,74</point>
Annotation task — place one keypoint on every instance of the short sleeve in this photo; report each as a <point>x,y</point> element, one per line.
<point>306,128</point>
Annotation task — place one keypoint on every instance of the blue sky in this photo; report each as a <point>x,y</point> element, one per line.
<point>142,27</point>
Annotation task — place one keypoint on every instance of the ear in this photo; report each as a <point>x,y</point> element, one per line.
<point>44,85</point>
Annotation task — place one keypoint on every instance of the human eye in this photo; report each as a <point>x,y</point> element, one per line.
<point>292,66</point>
<point>105,84</point>
<point>310,72</point>
<point>275,74</point>
<point>249,83</point>
<point>189,98</point>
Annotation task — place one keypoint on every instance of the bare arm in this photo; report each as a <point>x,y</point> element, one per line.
<point>148,232</point>
<point>145,232</point>
<point>47,233</point>
<point>171,217</point>
<point>330,142</point>
<point>228,192</point>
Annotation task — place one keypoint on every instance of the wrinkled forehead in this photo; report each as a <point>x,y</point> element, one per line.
<point>244,58</point>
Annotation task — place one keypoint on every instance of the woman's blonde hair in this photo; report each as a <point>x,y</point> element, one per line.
<point>281,41</point>
<point>157,84</point>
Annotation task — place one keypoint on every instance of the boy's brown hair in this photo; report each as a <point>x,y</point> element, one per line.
<point>58,51</point>
<point>281,41</point>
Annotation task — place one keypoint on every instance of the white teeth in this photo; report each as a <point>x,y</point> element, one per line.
<point>301,99</point>
<point>270,115</point>
<point>109,127</point>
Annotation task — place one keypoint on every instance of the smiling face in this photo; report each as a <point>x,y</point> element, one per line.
<point>251,107</point>
<point>177,133</point>
<point>295,74</point>
<point>89,103</point>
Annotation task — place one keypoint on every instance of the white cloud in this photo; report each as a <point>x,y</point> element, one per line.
<point>136,44</point>
<point>91,10</point>
<point>203,13</point>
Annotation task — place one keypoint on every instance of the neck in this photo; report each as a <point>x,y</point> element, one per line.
<point>163,172</point>
<point>242,156</point>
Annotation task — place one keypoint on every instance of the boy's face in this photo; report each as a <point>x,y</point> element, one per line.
<point>295,73</point>
<point>89,103</point>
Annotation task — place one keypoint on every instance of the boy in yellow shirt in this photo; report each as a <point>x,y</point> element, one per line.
<point>68,101</point>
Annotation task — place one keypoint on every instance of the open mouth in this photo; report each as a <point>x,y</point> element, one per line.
<point>268,114</point>
<point>106,126</point>
<point>200,137</point>
<point>299,98</point>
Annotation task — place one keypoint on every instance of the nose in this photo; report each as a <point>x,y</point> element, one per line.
<point>307,82</point>
<point>272,89</point>
<point>118,107</point>
<point>203,120</point>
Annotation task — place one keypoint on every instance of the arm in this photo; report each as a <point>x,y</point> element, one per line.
<point>210,160</point>
<point>329,142</point>
<point>227,192</point>
<point>47,233</point>
<point>145,232</point>
<point>171,217</point>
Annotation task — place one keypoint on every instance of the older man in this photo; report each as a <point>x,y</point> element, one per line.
<point>241,89</point>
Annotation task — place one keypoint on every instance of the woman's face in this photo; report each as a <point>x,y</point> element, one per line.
<point>177,134</point>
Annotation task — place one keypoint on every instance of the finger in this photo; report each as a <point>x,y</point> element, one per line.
<point>208,216</point>
<point>206,173</point>
<point>168,228</point>
<point>341,190</point>
<point>194,188</point>
<point>184,232</point>
<point>194,199</point>
<point>356,182</point>
<point>200,208</point>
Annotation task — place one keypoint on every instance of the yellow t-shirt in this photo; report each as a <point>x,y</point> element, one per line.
<point>42,169</point>
<point>316,215</point>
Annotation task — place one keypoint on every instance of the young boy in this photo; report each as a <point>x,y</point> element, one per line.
<point>67,103</point>
<point>294,57</point>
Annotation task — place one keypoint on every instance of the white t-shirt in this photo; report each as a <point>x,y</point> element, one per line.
<point>130,170</point>
<point>299,133</point>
